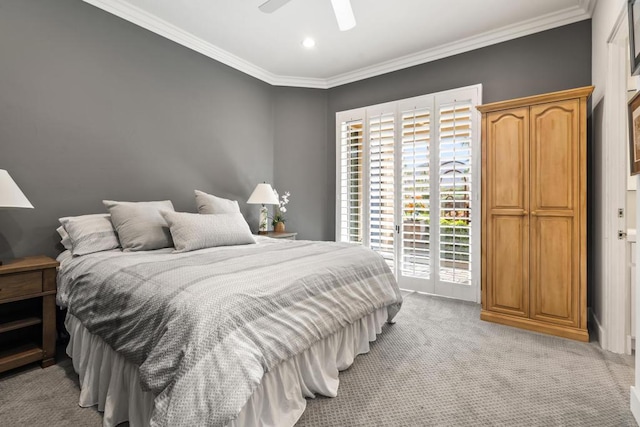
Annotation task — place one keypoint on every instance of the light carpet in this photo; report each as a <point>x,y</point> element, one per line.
<point>439,365</point>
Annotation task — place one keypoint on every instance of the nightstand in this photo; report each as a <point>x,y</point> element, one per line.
<point>283,235</point>
<point>27,312</point>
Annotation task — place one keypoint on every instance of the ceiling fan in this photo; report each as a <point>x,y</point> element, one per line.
<point>341,8</point>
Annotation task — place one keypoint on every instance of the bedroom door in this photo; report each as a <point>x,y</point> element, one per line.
<point>407,187</point>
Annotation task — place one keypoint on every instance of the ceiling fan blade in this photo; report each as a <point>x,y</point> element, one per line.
<point>272,5</point>
<point>344,14</point>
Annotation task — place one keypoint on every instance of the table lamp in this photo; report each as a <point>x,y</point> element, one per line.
<point>10,194</point>
<point>263,195</point>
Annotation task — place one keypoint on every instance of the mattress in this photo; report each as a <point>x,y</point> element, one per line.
<point>204,328</point>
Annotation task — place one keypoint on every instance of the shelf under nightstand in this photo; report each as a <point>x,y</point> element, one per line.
<point>27,312</point>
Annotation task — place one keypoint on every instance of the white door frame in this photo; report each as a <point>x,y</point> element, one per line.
<point>635,392</point>
<point>612,321</point>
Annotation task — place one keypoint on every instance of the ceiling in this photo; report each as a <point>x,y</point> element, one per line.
<point>389,35</point>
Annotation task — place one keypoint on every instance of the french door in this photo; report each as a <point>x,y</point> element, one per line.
<point>408,188</point>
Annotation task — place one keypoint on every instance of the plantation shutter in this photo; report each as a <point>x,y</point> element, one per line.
<point>455,191</point>
<point>351,181</point>
<point>381,191</point>
<point>415,167</point>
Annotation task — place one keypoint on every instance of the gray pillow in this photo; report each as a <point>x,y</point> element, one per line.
<point>64,237</point>
<point>194,231</point>
<point>87,234</point>
<point>139,225</point>
<point>210,204</point>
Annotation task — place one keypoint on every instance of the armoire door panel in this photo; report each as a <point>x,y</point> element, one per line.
<point>554,145</point>
<point>508,158</point>
<point>554,270</point>
<point>554,155</point>
<point>509,291</point>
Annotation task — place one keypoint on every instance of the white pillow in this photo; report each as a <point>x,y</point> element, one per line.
<point>139,225</point>
<point>194,231</point>
<point>210,204</point>
<point>89,233</point>
<point>66,242</point>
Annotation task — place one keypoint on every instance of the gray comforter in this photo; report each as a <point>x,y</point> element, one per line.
<point>205,326</point>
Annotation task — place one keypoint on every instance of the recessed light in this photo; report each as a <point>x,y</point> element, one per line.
<point>308,42</point>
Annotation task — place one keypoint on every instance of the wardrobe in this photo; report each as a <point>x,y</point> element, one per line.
<point>534,196</point>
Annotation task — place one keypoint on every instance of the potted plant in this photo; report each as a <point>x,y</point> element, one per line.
<point>278,219</point>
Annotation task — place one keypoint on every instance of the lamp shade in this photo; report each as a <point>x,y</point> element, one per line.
<point>10,194</point>
<point>263,195</point>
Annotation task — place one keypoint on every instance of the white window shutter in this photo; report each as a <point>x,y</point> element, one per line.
<point>351,181</point>
<point>415,187</point>
<point>382,183</point>
<point>455,152</point>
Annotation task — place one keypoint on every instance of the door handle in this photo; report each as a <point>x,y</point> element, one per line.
<point>524,213</point>
<point>534,213</point>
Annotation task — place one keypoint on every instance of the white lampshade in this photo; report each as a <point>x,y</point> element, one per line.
<point>10,194</point>
<point>263,195</point>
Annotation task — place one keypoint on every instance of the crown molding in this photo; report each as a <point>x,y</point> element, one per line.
<point>137,16</point>
<point>588,6</point>
<point>521,29</point>
<point>292,81</point>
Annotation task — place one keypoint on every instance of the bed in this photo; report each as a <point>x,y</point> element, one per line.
<point>236,335</point>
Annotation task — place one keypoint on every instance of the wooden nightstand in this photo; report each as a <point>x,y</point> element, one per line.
<point>27,312</point>
<point>283,235</point>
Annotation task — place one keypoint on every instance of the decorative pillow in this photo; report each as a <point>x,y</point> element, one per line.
<point>89,233</point>
<point>210,204</point>
<point>66,242</point>
<point>195,231</point>
<point>139,225</point>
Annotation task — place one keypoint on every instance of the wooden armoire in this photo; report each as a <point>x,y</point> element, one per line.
<point>534,219</point>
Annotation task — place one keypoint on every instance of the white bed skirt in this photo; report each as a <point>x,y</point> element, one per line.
<point>112,383</point>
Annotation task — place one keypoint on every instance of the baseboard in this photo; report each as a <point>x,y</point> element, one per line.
<point>635,403</point>
<point>597,329</point>
<point>411,291</point>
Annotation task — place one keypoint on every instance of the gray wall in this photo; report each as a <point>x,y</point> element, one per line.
<point>553,60</point>
<point>300,150</point>
<point>93,107</point>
